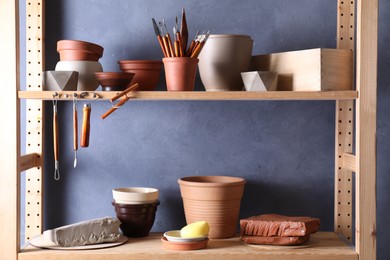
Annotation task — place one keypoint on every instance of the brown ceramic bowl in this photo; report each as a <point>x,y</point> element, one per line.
<point>114,81</point>
<point>147,72</point>
<point>136,219</point>
<point>74,55</point>
<point>80,46</point>
<point>72,50</point>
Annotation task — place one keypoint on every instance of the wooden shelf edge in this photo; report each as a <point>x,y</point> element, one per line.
<point>322,245</point>
<point>196,95</point>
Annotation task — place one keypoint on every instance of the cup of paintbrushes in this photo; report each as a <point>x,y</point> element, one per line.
<point>180,73</point>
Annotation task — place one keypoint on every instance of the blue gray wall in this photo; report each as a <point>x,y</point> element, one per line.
<point>283,149</point>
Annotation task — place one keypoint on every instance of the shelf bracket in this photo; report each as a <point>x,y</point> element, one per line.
<point>29,161</point>
<point>348,162</point>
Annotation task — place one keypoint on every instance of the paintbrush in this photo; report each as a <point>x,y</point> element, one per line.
<point>160,39</point>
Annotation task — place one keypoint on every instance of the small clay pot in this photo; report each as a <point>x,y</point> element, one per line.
<point>147,72</point>
<point>215,199</point>
<point>180,73</point>
<point>72,50</point>
<point>136,219</point>
<point>114,81</point>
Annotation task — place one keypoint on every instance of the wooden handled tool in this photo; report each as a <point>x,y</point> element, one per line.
<point>85,131</point>
<point>56,142</point>
<point>75,132</point>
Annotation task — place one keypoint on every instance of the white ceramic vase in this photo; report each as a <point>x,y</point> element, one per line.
<point>223,58</point>
<point>87,80</point>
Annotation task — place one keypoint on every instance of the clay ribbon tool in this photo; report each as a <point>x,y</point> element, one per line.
<point>75,130</point>
<point>184,30</point>
<point>85,130</point>
<point>159,38</point>
<point>56,140</point>
<point>122,102</point>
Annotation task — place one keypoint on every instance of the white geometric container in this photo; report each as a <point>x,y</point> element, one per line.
<point>260,80</point>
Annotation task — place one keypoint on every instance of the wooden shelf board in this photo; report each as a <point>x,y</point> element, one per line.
<point>323,245</point>
<point>199,95</point>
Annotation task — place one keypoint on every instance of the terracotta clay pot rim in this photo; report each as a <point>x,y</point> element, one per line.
<point>139,61</point>
<point>80,46</point>
<point>220,181</point>
<point>230,36</point>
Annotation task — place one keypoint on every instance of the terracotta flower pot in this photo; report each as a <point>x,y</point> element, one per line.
<point>222,60</point>
<point>147,72</point>
<point>73,50</point>
<point>215,199</point>
<point>180,73</point>
<point>114,81</point>
<point>136,219</point>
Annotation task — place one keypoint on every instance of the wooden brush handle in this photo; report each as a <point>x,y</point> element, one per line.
<point>166,46</point>
<point>55,136</point>
<point>75,131</point>
<point>160,40</point>
<point>170,44</point>
<point>85,131</point>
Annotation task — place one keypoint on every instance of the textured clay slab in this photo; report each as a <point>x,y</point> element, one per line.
<point>274,225</point>
<point>279,241</point>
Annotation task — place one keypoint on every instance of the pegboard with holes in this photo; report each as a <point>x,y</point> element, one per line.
<point>34,114</point>
<point>343,217</point>
<point>343,176</point>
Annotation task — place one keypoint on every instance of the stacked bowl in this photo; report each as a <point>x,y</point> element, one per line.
<point>82,57</point>
<point>147,72</point>
<point>136,208</point>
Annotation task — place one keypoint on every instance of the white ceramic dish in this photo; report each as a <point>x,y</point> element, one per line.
<point>135,195</point>
<point>174,236</point>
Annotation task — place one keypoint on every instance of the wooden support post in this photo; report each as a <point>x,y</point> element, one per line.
<point>366,106</point>
<point>9,132</point>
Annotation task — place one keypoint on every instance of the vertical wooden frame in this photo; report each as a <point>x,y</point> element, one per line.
<point>9,131</point>
<point>34,116</point>
<point>366,105</point>
<point>344,129</point>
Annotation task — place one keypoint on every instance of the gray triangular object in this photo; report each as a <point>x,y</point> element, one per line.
<point>60,80</point>
<point>260,80</point>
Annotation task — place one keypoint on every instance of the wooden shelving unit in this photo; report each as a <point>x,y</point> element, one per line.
<point>355,124</point>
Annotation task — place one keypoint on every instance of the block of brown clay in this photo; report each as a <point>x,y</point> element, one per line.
<point>274,225</point>
<point>278,241</point>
